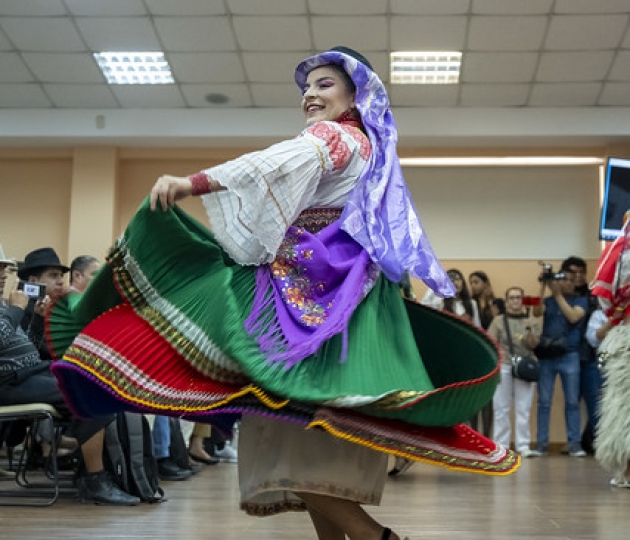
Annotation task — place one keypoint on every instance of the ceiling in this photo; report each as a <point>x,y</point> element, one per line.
<point>551,60</point>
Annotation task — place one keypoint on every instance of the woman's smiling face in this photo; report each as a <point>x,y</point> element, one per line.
<point>325,95</point>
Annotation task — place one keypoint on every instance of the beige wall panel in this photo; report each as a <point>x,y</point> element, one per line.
<point>34,205</point>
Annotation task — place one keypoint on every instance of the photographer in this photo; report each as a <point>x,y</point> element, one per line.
<point>563,315</point>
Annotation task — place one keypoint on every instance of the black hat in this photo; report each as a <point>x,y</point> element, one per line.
<point>356,55</point>
<point>38,260</point>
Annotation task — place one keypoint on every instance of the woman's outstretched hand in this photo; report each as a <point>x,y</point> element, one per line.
<point>169,189</point>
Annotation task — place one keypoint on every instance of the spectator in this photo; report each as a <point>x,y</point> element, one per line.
<point>82,271</point>
<point>590,377</point>
<point>489,307</point>
<point>563,315</point>
<point>42,266</point>
<point>524,331</point>
<point>462,304</point>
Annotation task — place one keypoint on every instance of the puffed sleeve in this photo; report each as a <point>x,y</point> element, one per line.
<point>267,190</point>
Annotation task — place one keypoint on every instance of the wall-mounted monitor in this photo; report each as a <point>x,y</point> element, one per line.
<point>616,198</point>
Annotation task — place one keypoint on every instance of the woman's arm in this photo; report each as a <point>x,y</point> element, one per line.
<point>170,189</point>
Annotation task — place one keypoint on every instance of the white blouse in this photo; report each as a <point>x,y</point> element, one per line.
<point>267,190</point>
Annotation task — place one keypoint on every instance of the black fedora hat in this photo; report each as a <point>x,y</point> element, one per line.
<point>38,260</point>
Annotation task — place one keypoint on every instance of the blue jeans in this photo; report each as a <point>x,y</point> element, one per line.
<point>161,435</point>
<point>590,388</point>
<point>568,366</point>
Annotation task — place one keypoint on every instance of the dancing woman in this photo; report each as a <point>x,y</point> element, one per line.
<point>289,312</point>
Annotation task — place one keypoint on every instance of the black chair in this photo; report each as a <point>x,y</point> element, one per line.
<point>44,491</point>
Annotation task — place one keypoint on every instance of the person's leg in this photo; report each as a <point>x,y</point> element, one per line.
<point>196,449</point>
<point>523,395</point>
<point>325,528</point>
<point>348,516</point>
<point>545,396</point>
<point>569,366</point>
<point>97,485</point>
<point>161,437</point>
<point>501,403</point>
<point>487,415</point>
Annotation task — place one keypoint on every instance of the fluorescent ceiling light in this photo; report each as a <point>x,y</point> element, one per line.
<point>429,67</point>
<point>134,67</point>
<point>508,161</point>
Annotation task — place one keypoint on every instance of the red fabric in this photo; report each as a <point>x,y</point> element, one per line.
<point>604,286</point>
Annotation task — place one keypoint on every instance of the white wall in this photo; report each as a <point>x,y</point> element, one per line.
<point>508,212</point>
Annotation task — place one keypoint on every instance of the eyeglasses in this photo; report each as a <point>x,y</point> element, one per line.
<point>514,297</point>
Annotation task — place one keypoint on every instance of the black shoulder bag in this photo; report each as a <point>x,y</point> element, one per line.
<point>526,368</point>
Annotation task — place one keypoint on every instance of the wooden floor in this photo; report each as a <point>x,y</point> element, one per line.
<point>552,498</point>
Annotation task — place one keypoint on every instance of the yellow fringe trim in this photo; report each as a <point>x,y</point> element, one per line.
<point>510,465</point>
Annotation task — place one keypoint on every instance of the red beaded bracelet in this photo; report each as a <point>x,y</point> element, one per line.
<point>200,184</point>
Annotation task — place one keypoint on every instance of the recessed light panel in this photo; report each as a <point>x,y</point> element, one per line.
<point>417,67</point>
<point>134,67</point>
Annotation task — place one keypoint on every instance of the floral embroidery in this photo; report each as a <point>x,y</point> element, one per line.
<point>338,150</point>
<point>297,288</point>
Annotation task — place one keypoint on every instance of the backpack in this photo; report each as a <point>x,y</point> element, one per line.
<point>128,456</point>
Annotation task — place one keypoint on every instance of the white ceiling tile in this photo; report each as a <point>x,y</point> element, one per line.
<point>429,7</point>
<point>579,32</point>
<point>564,95</point>
<point>625,44</point>
<point>43,34</point>
<point>331,31</point>
<point>348,7</point>
<point>268,7</point>
<point>272,33</point>
<point>119,33</point>
<point>427,33</point>
<point>64,67</point>
<point>188,8</point>
<point>23,96</point>
<point>81,96</point>
<point>590,6</point>
<point>494,95</point>
<point>32,8</point>
<point>195,95</point>
<point>272,67</point>
<point>506,33</point>
<point>498,67</point>
<point>13,69</point>
<point>144,96</point>
<point>621,67</point>
<point>96,8</point>
<point>5,44</point>
<point>276,95</point>
<point>617,94</point>
<point>185,34</point>
<point>573,66</point>
<point>413,95</point>
<point>501,7</point>
<point>206,67</point>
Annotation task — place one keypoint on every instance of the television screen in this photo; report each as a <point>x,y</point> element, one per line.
<point>616,198</point>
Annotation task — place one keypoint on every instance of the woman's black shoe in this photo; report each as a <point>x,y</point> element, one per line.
<point>208,461</point>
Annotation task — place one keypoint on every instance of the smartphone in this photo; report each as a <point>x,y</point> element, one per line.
<point>32,290</point>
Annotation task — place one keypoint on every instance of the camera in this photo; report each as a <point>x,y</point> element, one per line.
<point>548,274</point>
<point>32,290</point>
